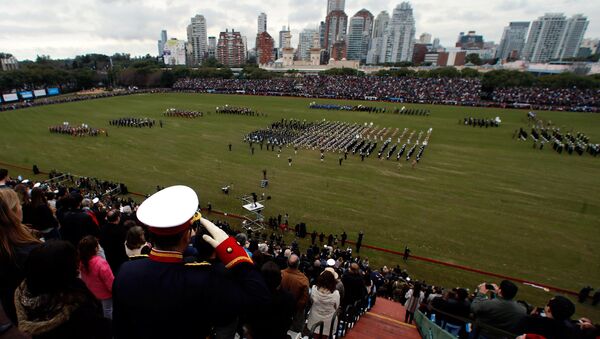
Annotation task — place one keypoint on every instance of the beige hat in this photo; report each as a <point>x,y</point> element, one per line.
<point>330,269</point>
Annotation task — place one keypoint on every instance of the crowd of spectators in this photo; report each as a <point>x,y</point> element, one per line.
<point>65,288</point>
<point>8,106</point>
<point>451,91</point>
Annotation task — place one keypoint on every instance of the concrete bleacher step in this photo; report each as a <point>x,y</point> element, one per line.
<point>385,320</point>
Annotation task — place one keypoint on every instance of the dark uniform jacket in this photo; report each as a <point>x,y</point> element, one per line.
<point>162,297</point>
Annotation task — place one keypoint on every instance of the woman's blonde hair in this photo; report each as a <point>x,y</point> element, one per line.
<point>12,231</point>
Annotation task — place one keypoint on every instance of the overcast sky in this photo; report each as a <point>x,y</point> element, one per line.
<point>65,28</point>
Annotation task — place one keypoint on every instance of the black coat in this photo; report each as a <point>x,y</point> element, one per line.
<point>76,225</point>
<point>155,299</point>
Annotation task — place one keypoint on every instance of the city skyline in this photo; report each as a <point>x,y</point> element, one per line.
<point>66,28</point>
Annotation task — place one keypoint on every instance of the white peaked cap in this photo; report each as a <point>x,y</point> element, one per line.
<point>168,208</point>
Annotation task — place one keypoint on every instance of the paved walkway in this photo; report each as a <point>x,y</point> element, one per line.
<point>384,321</point>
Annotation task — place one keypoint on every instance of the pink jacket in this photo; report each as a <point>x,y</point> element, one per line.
<point>99,278</point>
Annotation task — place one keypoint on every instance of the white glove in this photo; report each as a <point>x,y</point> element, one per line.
<point>217,235</point>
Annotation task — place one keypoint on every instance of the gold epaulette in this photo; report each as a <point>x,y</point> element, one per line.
<point>203,263</point>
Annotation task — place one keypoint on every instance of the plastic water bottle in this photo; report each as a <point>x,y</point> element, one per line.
<point>432,317</point>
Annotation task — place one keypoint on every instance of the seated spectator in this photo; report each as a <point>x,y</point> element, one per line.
<point>14,248</point>
<point>96,273</point>
<point>274,319</point>
<point>52,302</point>
<point>135,243</point>
<point>501,311</point>
<point>552,321</point>
<point>325,302</point>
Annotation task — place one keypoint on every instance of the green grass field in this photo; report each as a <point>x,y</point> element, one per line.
<point>477,198</point>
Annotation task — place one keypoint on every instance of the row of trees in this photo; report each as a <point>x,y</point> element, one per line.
<point>93,70</point>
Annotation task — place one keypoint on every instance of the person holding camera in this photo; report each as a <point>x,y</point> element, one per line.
<point>551,321</point>
<point>164,297</point>
<point>494,306</point>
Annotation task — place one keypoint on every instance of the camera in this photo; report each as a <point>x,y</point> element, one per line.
<point>490,287</point>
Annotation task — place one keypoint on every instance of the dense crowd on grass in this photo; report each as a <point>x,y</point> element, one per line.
<point>76,130</point>
<point>132,122</point>
<point>543,132</point>
<point>181,113</point>
<point>63,288</point>
<point>341,137</point>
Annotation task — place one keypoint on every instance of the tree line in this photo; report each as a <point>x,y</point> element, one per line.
<point>98,70</point>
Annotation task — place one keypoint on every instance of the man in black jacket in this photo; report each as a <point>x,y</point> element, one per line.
<point>76,223</point>
<point>163,297</point>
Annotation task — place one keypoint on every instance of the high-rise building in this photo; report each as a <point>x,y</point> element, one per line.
<point>436,44</point>
<point>359,35</point>
<point>400,35</point>
<point>285,37</point>
<point>425,38</point>
<point>573,36</point>
<point>264,48</point>
<point>196,35</point>
<point>161,42</point>
<point>212,47</point>
<point>469,40</point>
<point>513,40</point>
<point>379,29</point>
<point>336,24</point>
<point>307,38</point>
<point>230,48</point>
<point>174,52</point>
<point>355,38</point>
<point>322,28</point>
<point>262,23</point>
<point>543,42</point>
<point>335,5</point>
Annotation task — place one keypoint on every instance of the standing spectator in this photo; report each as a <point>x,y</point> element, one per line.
<point>502,311</point>
<point>136,244</point>
<point>325,302</point>
<point>15,244</point>
<point>4,178</point>
<point>43,219</point>
<point>96,273</point>
<point>354,286</point>
<point>279,312</point>
<point>52,302</point>
<point>77,223</point>
<point>185,298</point>
<point>296,283</point>
<point>414,298</point>
<point>112,236</point>
<point>359,241</point>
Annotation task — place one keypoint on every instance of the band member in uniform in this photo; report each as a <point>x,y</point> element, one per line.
<point>163,297</point>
